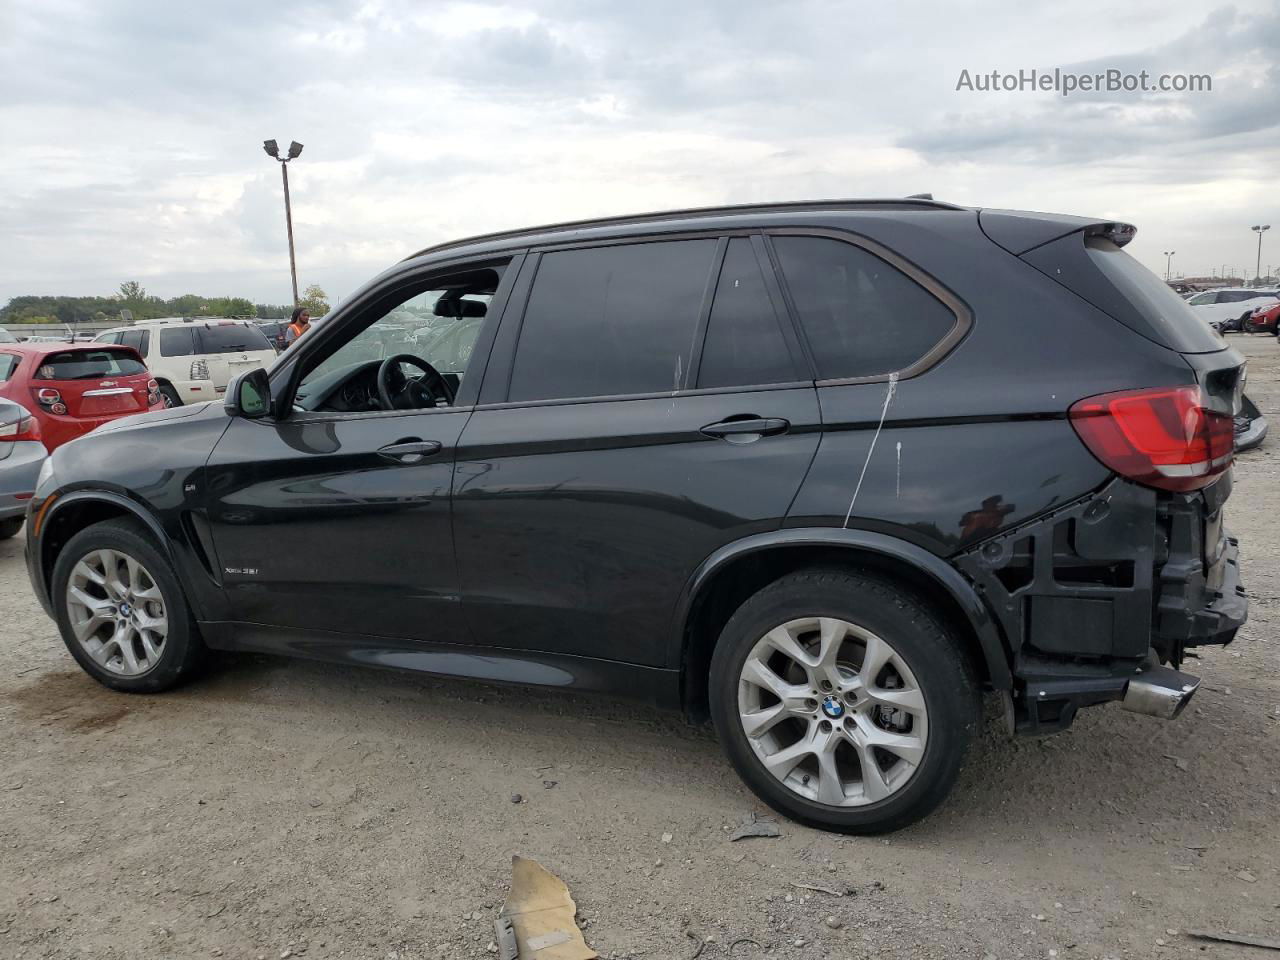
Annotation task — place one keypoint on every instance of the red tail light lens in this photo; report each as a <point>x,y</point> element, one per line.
<point>25,428</point>
<point>1163,437</point>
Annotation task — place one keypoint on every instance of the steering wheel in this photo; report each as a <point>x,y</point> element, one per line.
<point>398,392</point>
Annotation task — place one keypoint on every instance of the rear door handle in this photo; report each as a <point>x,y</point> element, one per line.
<point>747,429</point>
<point>409,451</point>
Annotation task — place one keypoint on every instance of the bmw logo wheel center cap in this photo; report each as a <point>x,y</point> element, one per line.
<point>832,706</point>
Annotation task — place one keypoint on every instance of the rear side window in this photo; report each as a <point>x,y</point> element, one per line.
<point>611,320</point>
<point>230,338</point>
<point>862,316</point>
<point>89,365</point>
<point>8,364</point>
<point>744,343</point>
<point>113,337</point>
<point>177,342</point>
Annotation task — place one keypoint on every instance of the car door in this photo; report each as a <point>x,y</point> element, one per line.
<point>613,454</point>
<point>336,521</point>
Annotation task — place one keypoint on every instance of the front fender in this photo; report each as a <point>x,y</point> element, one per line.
<point>947,577</point>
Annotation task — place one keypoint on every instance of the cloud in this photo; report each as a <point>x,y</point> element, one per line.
<point>134,126</point>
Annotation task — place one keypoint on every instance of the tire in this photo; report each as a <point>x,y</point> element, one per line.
<point>158,662</point>
<point>1248,327</point>
<point>925,664</point>
<point>9,528</point>
<point>170,395</point>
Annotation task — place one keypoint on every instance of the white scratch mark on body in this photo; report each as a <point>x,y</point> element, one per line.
<point>888,397</point>
<point>898,488</point>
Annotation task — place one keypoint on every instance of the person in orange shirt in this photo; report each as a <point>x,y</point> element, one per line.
<point>299,324</point>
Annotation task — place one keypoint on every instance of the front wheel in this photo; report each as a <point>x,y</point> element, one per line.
<point>843,701</point>
<point>121,611</point>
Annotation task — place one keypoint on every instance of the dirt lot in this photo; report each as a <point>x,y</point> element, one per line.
<point>283,808</point>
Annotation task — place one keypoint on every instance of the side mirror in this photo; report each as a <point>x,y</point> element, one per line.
<point>249,395</point>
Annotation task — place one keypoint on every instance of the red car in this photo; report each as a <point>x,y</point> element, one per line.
<point>1263,320</point>
<point>72,388</point>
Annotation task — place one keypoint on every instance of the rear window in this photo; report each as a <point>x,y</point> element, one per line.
<point>230,338</point>
<point>1117,284</point>
<point>89,365</point>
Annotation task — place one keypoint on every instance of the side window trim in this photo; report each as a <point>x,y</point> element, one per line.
<point>704,314</point>
<point>788,320</point>
<point>959,309</point>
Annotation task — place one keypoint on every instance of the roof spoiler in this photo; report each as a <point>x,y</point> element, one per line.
<point>1020,231</point>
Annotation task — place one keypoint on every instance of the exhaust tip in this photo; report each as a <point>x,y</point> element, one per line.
<point>1160,691</point>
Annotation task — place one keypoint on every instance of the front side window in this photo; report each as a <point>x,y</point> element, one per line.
<point>862,316</point>
<point>609,321</point>
<point>1200,299</point>
<point>438,324</point>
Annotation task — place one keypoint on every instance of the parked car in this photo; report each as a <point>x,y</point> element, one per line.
<point>6,336</point>
<point>809,469</point>
<point>1226,309</point>
<point>21,456</point>
<point>193,360</point>
<point>274,331</point>
<point>74,388</point>
<point>1264,319</point>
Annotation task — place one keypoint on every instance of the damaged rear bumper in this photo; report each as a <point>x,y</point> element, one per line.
<point>1093,597</point>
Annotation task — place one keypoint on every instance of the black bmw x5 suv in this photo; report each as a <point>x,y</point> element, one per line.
<point>823,471</point>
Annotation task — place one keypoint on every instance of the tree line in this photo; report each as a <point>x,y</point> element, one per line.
<point>133,297</point>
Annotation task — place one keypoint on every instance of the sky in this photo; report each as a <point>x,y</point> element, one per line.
<point>131,130</point>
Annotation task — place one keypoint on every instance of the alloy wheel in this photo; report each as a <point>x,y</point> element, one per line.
<point>832,711</point>
<point>117,612</point>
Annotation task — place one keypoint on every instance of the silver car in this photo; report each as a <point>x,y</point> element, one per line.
<point>21,456</point>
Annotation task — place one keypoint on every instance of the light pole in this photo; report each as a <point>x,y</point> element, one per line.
<point>1168,259</point>
<point>1259,229</point>
<point>273,151</point>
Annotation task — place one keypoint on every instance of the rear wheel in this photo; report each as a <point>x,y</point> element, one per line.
<point>9,528</point>
<point>843,701</point>
<point>121,611</point>
<point>170,395</point>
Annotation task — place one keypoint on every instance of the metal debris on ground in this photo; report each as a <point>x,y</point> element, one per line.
<point>541,914</point>
<point>829,891</point>
<point>1243,938</point>
<point>752,826</point>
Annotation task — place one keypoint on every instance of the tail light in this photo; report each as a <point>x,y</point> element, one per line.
<point>199,370</point>
<point>1163,437</point>
<point>51,400</point>
<point>26,427</point>
<point>153,393</point>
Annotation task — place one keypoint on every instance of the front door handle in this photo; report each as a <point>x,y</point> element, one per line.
<point>409,451</point>
<point>747,429</point>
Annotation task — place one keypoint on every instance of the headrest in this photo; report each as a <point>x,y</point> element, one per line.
<point>459,308</point>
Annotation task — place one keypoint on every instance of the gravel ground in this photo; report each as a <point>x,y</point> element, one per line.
<point>279,808</point>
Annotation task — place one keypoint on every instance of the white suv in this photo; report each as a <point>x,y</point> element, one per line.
<point>192,359</point>
<point>1227,308</point>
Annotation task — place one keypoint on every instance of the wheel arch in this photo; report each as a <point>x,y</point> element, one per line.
<point>75,511</point>
<point>734,572</point>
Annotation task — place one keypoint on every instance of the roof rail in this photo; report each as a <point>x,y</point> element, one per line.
<point>728,210</point>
